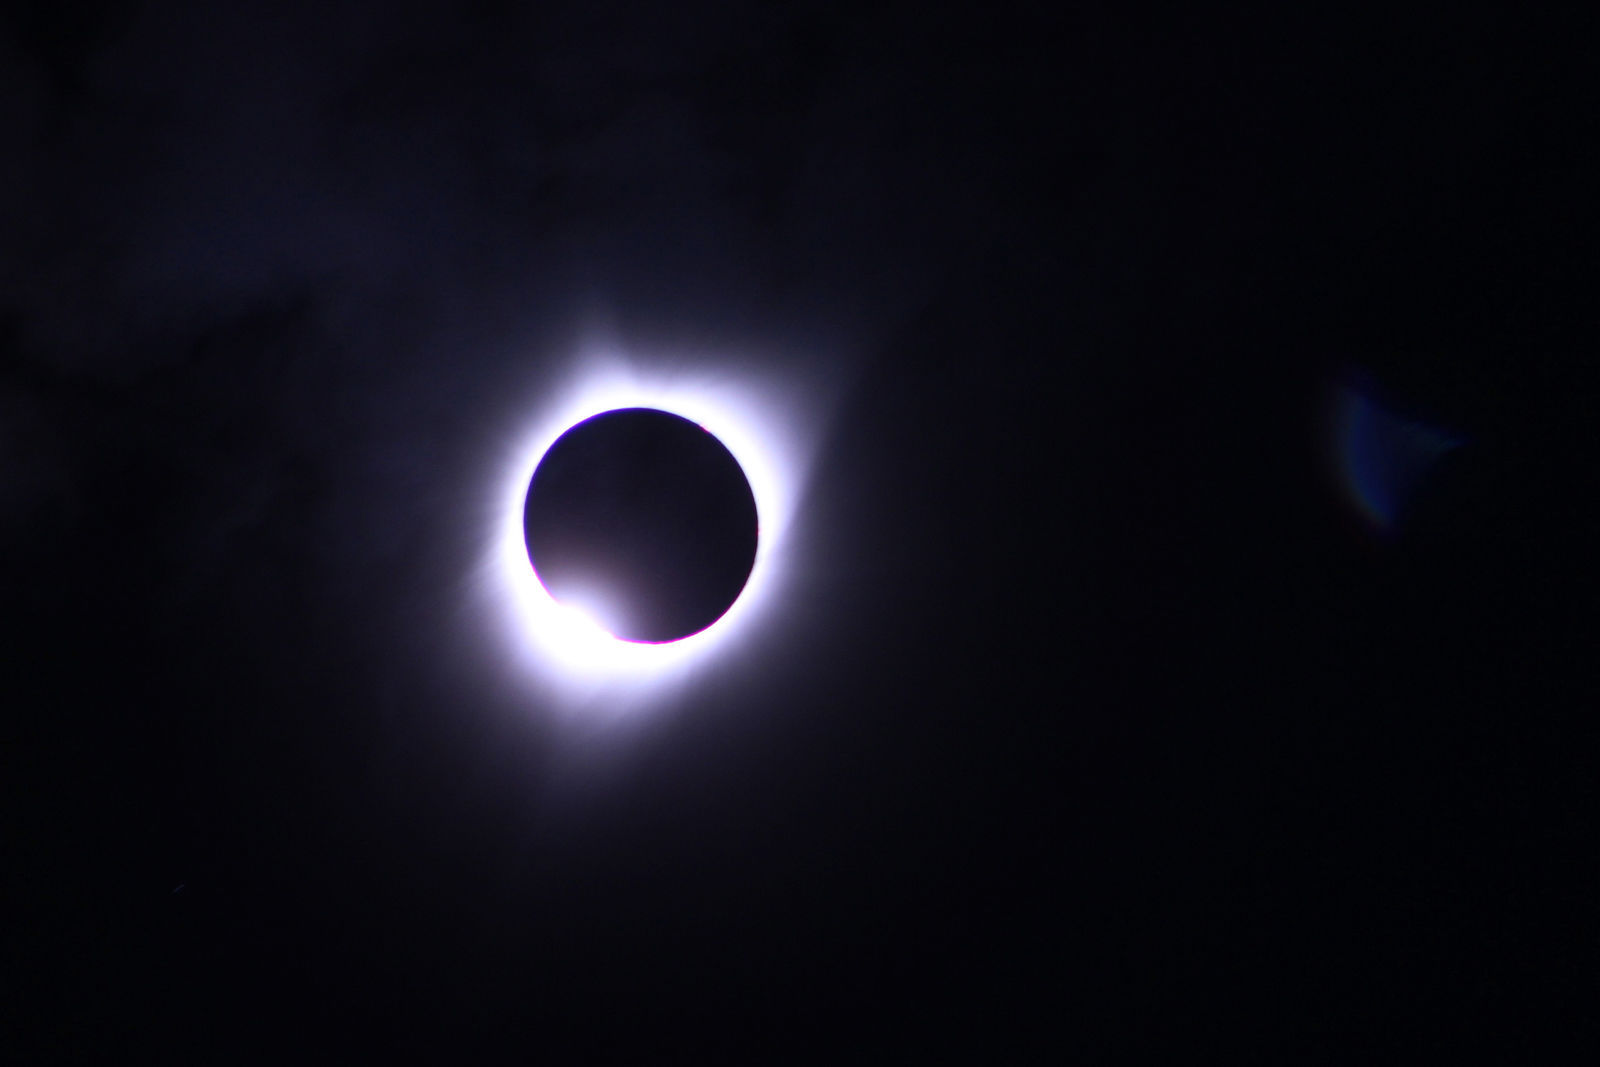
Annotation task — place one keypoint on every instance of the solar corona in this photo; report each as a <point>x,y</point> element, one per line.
<point>642,526</point>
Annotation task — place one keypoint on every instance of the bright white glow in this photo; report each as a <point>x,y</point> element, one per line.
<point>561,645</point>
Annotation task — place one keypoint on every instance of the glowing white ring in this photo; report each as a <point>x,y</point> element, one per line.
<point>562,644</point>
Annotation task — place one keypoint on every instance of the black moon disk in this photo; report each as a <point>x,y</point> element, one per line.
<point>645,520</point>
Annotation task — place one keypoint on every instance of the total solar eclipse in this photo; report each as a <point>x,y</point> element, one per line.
<point>644,521</point>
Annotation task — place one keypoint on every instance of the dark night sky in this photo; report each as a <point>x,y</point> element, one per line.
<point>1096,725</point>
